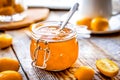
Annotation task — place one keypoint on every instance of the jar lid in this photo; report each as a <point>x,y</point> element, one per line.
<point>52,33</point>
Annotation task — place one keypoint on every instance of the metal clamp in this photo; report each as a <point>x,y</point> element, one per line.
<point>46,54</point>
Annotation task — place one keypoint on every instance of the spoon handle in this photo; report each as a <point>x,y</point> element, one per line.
<point>71,12</point>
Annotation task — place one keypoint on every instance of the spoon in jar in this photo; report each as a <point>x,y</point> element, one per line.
<point>71,12</point>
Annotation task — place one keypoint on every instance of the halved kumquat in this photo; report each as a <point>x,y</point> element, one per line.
<point>107,67</point>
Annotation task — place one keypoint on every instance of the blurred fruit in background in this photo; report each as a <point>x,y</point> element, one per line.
<point>94,24</point>
<point>85,21</point>
<point>12,10</point>
<point>99,24</point>
<point>10,7</point>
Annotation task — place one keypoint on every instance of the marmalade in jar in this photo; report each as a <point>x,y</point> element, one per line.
<point>53,49</point>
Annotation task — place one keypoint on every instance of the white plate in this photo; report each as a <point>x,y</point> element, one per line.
<point>114,23</point>
<point>105,32</point>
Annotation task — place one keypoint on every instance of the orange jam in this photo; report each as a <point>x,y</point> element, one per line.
<point>58,49</point>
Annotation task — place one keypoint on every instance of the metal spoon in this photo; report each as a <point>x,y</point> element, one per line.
<point>71,12</point>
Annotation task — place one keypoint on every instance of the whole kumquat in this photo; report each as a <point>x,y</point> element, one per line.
<point>81,73</point>
<point>99,24</point>
<point>8,64</point>
<point>10,75</point>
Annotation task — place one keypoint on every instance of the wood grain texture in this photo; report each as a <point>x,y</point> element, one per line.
<point>33,15</point>
<point>111,43</point>
<point>89,52</point>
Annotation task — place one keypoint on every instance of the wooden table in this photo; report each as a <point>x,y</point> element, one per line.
<point>96,47</point>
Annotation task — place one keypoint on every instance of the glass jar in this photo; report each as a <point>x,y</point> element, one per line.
<point>53,49</point>
<point>12,10</point>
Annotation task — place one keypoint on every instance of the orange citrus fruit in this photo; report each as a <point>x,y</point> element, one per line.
<point>84,73</point>
<point>5,40</point>
<point>7,11</point>
<point>84,21</point>
<point>8,64</point>
<point>18,8</point>
<point>107,67</point>
<point>10,75</point>
<point>99,24</point>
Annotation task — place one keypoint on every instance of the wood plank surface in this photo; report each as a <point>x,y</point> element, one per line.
<point>89,52</point>
<point>111,43</point>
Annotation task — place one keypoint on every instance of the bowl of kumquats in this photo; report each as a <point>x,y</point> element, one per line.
<point>98,24</point>
<point>94,24</point>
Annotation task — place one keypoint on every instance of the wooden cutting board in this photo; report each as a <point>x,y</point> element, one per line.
<point>33,15</point>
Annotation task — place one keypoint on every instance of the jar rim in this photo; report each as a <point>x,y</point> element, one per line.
<point>37,35</point>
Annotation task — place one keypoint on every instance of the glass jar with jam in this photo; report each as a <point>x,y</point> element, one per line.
<point>12,10</point>
<point>51,48</point>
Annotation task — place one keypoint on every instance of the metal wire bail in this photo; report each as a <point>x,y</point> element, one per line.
<point>46,54</point>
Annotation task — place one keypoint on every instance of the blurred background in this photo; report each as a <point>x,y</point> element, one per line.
<point>62,4</point>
